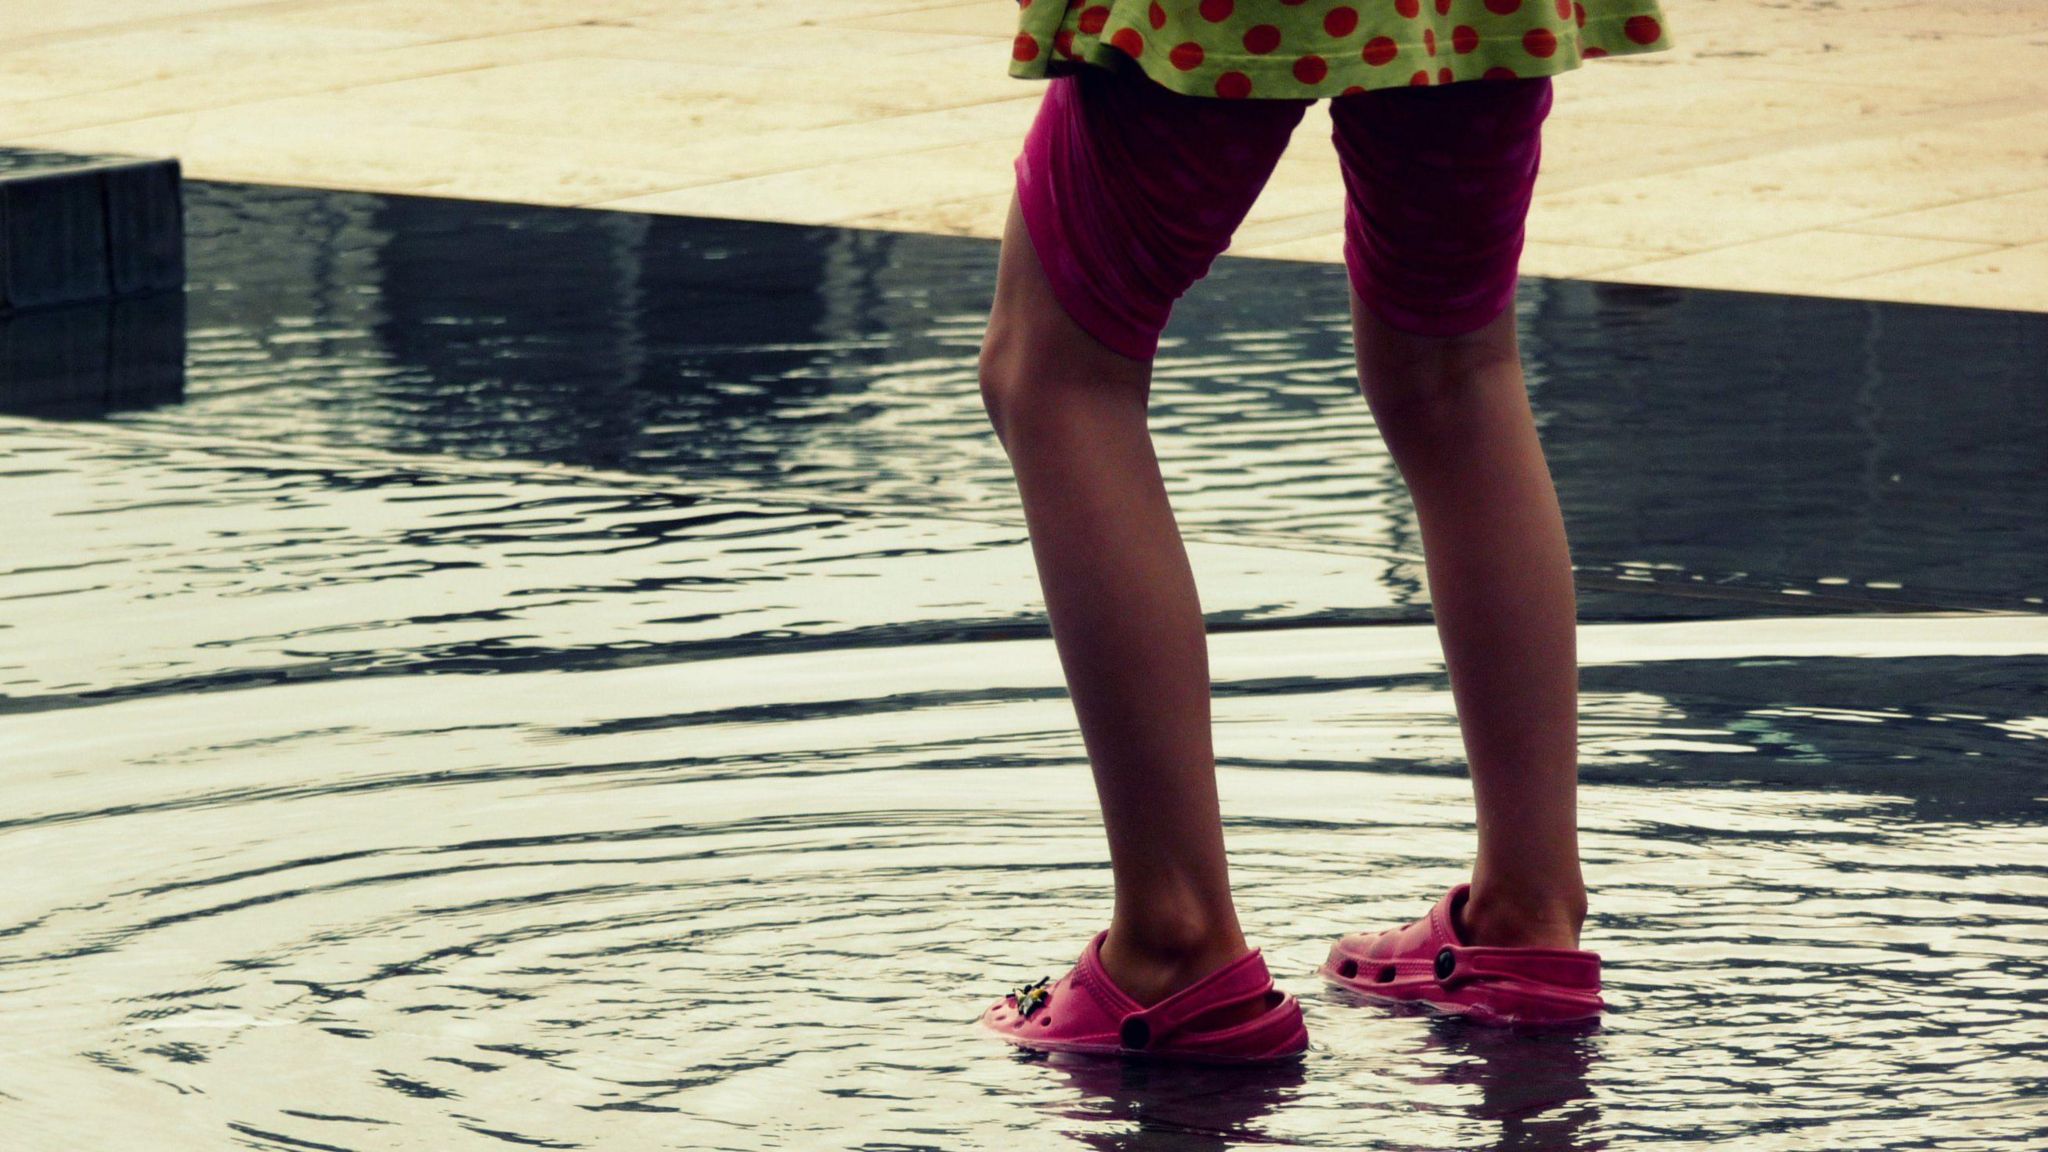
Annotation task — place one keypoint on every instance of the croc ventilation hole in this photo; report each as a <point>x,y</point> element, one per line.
<point>1046,1022</point>
<point>1387,974</point>
<point>1348,969</point>
<point>1135,1033</point>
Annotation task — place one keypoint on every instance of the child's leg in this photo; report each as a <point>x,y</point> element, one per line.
<point>1095,178</point>
<point>1439,183</point>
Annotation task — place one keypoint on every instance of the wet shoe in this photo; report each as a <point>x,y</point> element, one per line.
<point>1426,964</point>
<point>1084,1011</point>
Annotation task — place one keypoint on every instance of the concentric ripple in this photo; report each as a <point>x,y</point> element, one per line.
<point>301,866</point>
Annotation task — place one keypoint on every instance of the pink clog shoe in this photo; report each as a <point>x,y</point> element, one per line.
<point>1084,1011</point>
<point>1426,963</point>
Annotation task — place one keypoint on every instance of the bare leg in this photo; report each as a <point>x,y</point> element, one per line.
<point>1122,602</point>
<point>1454,412</point>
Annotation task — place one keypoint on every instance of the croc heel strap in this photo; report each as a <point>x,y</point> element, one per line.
<point>1456,965</point>
<point>1244,980</point>
<point>1426,963</point>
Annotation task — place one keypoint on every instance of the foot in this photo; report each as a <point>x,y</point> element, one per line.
<point>1149,972</point>
<point>1492,920</point>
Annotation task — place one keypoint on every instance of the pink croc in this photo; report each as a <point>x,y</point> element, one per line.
<point>1426,963</point>
<point>1085,1012</point>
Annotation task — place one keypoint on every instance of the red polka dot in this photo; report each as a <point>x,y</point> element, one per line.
<point>1354,90</point>
<point>1579,14</point>
<point>1642,29</point>
<point>1539,42</point>
<point>1594,53</point>
<point>1443,75</point>
<point>1500,74</point>
<point>1157,15</point>
<point>1216,12</point>
<point>1409,8</point>
<point>1023,3</point>
<point>1186,57</point>
<point>1340,21</point>
<point>1419,79</point>
<point>1429,40</point>
<point>1503,7</point>
<point>1233,85</point>
<point>1564,9</point>
<point>1092,19</point>
<point>1379,50</point>
<point>1024,48</point>
<point>1260,39</point>
<point>1311,69</point>
<point>1443,7</point>
<point>1063,41</point>
<point>1128,41</point>
<point>1464,38</point>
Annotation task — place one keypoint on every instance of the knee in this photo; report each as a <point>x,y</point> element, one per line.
<point>1001,383</point>
<point>1431,385</point>
<point>1046,378</point>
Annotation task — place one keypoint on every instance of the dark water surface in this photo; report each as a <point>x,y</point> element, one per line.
<point>476,676</point>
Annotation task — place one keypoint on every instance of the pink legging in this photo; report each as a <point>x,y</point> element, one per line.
<point>1130,190</point>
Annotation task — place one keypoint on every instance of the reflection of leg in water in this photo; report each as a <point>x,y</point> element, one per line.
<point>1182,1108</point>
<point>1534,1086</point>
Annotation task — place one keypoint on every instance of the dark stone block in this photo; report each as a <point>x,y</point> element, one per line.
<point>53,358</point>
<point>56,239</point>
<point>145,228</point>
<point>76,227</point>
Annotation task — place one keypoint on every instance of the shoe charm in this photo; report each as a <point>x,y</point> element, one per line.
<point>1032,997</point>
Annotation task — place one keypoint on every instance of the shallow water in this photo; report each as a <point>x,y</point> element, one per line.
<point>525,681</point>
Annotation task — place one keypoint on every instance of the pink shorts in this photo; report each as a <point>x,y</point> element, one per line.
<point>1130,191</point>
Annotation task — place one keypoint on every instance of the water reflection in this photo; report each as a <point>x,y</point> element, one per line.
<point>374,779</point>
<point>1730,453</point>
<point>1136,1106</point>
<point>89,360</point>
<point>1534,1086</point>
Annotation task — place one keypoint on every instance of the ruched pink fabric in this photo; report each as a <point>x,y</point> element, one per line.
<point>1130,191</point>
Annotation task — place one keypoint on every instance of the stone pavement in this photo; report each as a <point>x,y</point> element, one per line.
<point>1883,149</point>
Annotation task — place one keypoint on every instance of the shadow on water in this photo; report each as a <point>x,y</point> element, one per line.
<point>578,679</point>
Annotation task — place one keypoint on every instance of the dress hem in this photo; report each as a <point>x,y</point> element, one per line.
<point>1272,77</point>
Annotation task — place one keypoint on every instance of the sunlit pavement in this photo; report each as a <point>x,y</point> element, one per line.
<point>1893,150</point>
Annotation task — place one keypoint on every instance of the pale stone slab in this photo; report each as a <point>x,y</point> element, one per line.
<point>255,81</point>
<point>2014,277</point>
<point>27,22</point>
<point>1916,120</point>
<point>123,58</point>
<point>2017,217</point>
<point>296,141</point>
<point>1576,261</point>
<point>835,193</point>
<point>1800,260</point>
<point>996,21</point>
<point>1327,247</point>
<point>982,216</point>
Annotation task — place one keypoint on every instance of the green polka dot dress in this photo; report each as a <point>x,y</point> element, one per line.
<point>1295,49</point>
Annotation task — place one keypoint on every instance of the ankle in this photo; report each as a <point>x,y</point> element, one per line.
<point>1153,957</point>
<point>1177,941</point>
<point>1498,917</point>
